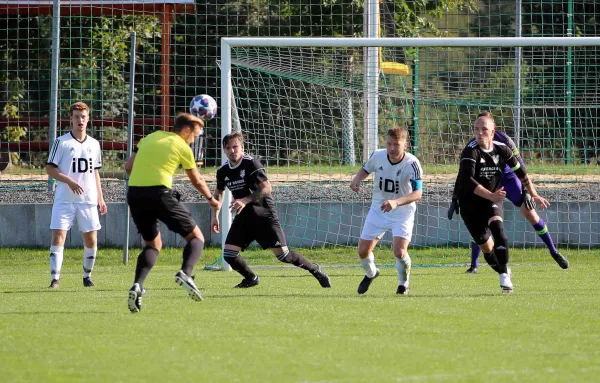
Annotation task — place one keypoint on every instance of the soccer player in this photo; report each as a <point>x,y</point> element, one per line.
<point>150,197</point>
<point>518,195</point>
<point>73,161</point>
<point>478,182</point>
<point>256,218</point>
<point>397,186</point>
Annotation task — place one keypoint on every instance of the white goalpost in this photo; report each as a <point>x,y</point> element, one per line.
<point>291,98</point>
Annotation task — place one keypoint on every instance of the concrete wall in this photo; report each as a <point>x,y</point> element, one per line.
<point>312,224</point>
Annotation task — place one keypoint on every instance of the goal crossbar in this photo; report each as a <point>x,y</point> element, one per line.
<point>336,42</point>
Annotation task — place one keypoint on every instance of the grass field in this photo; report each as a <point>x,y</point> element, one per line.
<point>453,327</point>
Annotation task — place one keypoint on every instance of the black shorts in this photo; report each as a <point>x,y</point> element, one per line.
<point>149,204</point>
<point>246,228</point>
<point>476,219</point>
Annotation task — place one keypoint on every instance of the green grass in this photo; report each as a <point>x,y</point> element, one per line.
<point>453,327</point>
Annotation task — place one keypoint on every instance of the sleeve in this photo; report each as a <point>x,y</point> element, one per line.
<point>416,182</point>
<point>465,180</point>
<point>515,151</point>
<point>98,159</point>
<point>55,154</point>
<point>370,166</point>
<point>220,180</point>
<point>187,158</point>
<point>256,173</point>
<point>513,163</point>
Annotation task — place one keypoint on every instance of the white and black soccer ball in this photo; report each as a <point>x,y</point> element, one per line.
<point>204,107</point>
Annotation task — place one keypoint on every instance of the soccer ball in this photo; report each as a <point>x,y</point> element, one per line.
<point>204,107</point>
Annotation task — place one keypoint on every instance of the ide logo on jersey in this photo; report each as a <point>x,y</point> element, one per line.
<point>81,165</point>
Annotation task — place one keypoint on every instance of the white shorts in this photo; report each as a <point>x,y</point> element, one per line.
<point>377,224</point>
<point>64,213</point>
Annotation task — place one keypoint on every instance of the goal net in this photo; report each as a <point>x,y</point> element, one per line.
<point>313,110</point>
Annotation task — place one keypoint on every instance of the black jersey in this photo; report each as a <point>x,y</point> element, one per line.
<point>242,180</point>
<point>482,167</point>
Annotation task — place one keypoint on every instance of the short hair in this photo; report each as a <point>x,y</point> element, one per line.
<point>486,114</point>
<point>186,120</point>
<point>398,133</point>
<point>231,136</point>
<point>81,106</point>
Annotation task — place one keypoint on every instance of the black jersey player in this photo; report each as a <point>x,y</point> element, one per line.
<point>479,190</point>
<point>256,217</point>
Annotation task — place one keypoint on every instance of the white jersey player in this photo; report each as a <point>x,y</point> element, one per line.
<point>397,186</point>
<point>73,162</point>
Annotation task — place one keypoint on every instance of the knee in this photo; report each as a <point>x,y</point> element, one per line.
<point>284,255</point>
<point>229,255</point>
<point>497,229</point>
<point>400,253</point>
<point>155,243</point>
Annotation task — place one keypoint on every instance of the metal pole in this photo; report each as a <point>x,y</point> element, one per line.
<point>347,113</point>
<point>54,81</point>
<point>226,123</point>
<point>416,95</point>
<point>568,122</point>
<point>518,71</point>
<point>129,140</point>
<point>371,80</point>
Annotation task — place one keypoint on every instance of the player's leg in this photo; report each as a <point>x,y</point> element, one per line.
<point>143,204</point>
<point>88,221</point>
<point>402,234</point>
<point>476,221</point>
<point>374,228</point>
<point>178,219</point>
<point>496,225</point>
<point>528,211</point>
<point>403,264</point>
<point>241,234</point>
<point>475,251</point>
<point>61,221</point>
<point>285,255</point>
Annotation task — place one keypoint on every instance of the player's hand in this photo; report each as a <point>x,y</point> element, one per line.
<point>454,208</point>
<point>498,195</point>
<point>355,184</point>
<point>543,202</point>
<point>213,203</point>
<point>75,187</point>
<point>215,224</point>
<point>388,205</point>
<point>237,205</point>
<point>102,207</point>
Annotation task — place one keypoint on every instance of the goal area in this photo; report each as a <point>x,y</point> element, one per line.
<point>314,109</point>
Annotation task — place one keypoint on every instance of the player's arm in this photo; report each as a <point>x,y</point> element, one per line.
<point>129,163</point>
<point>520,172</point>
<point>411,197</point>
<point>357,179</point>
<point>218,196</point>
<point>262,189</point>
<point>515,151</point>
<point>54,172</point>
<point>101,203</point>
<point>200,184</point>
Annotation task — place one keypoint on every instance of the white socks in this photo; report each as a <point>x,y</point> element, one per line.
<point>56,261</point>
<point>403,266</point>
<point>89,258</point>
<point>369,265</point>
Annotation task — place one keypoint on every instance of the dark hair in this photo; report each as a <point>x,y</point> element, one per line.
<point>186,120</point>
<point>398,133</point>
<point>81,106</point>
<point>487,115</point>
<point>231,136</point>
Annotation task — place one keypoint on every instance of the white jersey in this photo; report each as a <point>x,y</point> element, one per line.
<point>392,181</point>
<point>78,160</point>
